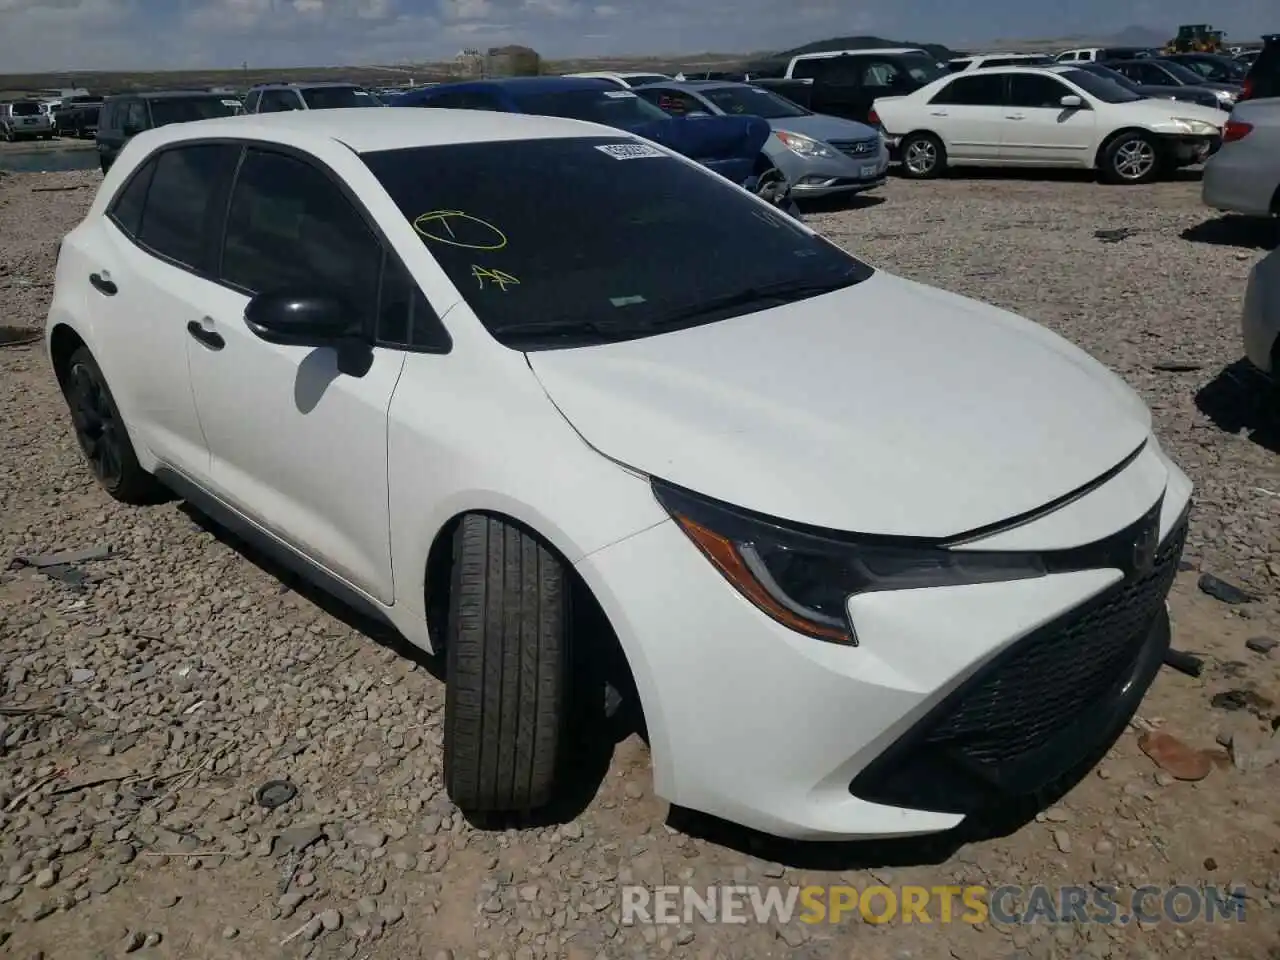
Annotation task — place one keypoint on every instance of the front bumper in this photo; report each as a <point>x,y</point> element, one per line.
<point>753,723</point>
<point>1183,151</point>
<point>812,177</point>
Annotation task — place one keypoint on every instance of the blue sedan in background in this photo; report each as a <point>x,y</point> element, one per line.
<point>818,155</point>
<point>731,146</point>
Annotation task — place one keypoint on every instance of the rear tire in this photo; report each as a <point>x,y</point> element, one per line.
<point>102,435</point>
<point>923,156</point>
<point>1131,157</point>
<point>507,664</point>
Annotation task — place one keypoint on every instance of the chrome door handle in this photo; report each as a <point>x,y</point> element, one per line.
<point>938,113</point>
<point>1015,116</point>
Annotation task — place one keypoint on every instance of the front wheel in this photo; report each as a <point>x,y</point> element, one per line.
<point>508,668</point>
<point>1131,157</point>
<point>923,156</point>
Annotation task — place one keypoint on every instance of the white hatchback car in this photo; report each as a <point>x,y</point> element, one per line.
<point>877,556</point>
<point>1055,116</point>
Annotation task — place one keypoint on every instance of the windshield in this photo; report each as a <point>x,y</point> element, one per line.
<point>1108,91</point>
<point>26,108</point>
<point>922,67</point>
<point>335,98</point>
<point>1221,69</point>
<point>620,251</point>
<point>1182,73</point>
<point>186,109</point>
<point>614,108</point>
<point>1106,73</point>
<point>753,102</point>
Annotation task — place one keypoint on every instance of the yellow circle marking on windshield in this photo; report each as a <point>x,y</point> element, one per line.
<point>459,229</point>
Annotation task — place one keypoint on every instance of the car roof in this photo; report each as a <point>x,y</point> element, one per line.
<point>888,51</point>
<point>307,83</point>
<point>366,131</point>
<point>167,95</point>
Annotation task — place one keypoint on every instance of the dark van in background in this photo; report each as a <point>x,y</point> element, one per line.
<point>125,116</point>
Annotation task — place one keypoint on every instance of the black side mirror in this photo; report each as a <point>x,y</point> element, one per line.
<point>311,320</point>
<point>301,319</point>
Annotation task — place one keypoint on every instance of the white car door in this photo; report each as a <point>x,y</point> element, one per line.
<point>145,274</point>
<point>297,445</point>
<point>968,115</point>
<point>1039,131</point>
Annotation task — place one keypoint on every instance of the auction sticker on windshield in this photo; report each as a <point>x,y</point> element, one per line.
<point>620,95</point>
<point>630,151</point>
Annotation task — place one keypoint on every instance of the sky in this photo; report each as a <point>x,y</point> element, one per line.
<point>59,35</point>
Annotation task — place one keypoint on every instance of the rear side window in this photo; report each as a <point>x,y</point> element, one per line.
<point>805,69</point>
<point>251,101</point>
<point>126,208</point>
<point>177,216</point>
<point>977,90</point>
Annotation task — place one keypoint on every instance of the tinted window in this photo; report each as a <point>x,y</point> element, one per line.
<point>290,228</point>
<point>647,78</point>
<point>805,69</point>
<point>177,217</point>
<point>1180,72</point>
<point>839,71</point>
<point>26,108</point>
<point>753,101</point>
<point>330,98</point>
<point>126,208</point>
<point>881,76</point>
<point>673,102</point>
<point>521,254</point>
<point>976,90</point>
<point>278,101</point>
<point>1097,83</point>
<point>186,109</point>
<point>1036,90</point>
<point>404,316</point>
<point>135,115</point>
<point>251,101</point>
<point>921,67</point>
<point>1015,61</point>
<point>614,108</point>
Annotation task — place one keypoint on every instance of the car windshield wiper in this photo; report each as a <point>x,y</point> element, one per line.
<point>564,327</point>
<point>784,291</point>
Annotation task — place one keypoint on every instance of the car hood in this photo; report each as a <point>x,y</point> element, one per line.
<point>825,128</point>
<point>888,407</point>
<point>1162,111</point>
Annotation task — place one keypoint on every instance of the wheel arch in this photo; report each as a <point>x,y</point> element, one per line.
<point>64,340</point>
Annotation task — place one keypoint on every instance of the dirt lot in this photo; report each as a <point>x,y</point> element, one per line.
<point>139,715</point>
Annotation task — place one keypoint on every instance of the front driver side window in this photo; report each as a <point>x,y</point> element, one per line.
<point>289,227</point>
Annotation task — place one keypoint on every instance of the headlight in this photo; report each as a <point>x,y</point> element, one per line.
<point>804,146</point>
<point>803,578</point>
<point>1196,128</point>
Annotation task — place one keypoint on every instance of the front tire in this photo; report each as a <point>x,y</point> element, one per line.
<point>102,435</point>
<point>923,156</point>
<point>1130,158</point>
<point>508,668</point>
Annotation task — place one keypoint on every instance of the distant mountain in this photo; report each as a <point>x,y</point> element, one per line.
<point>769,64</point>
<point>1139,37</point>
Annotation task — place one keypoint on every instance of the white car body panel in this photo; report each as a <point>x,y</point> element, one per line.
<point>887,406</point>
<point>696,407</point>
<point>1261,314</point>
<point>1030,137</point>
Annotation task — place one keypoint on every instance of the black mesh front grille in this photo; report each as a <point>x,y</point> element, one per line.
<point>1050,678</point>
<point>1037,710</point>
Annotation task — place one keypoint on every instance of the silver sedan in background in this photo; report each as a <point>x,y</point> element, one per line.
<point>818,155</point>
<point>1244,175</point>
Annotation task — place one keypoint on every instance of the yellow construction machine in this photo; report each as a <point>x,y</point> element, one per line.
<point>1196,38</point>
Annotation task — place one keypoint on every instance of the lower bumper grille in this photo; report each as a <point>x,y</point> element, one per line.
<point>1040,708</point>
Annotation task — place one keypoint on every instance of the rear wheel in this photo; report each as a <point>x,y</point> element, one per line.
<point>507,668</point>
<point>102,435</point>
<point>1130,157</point>
<point>923,156</point>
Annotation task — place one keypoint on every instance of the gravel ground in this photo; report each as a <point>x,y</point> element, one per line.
<point>140,713</point>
